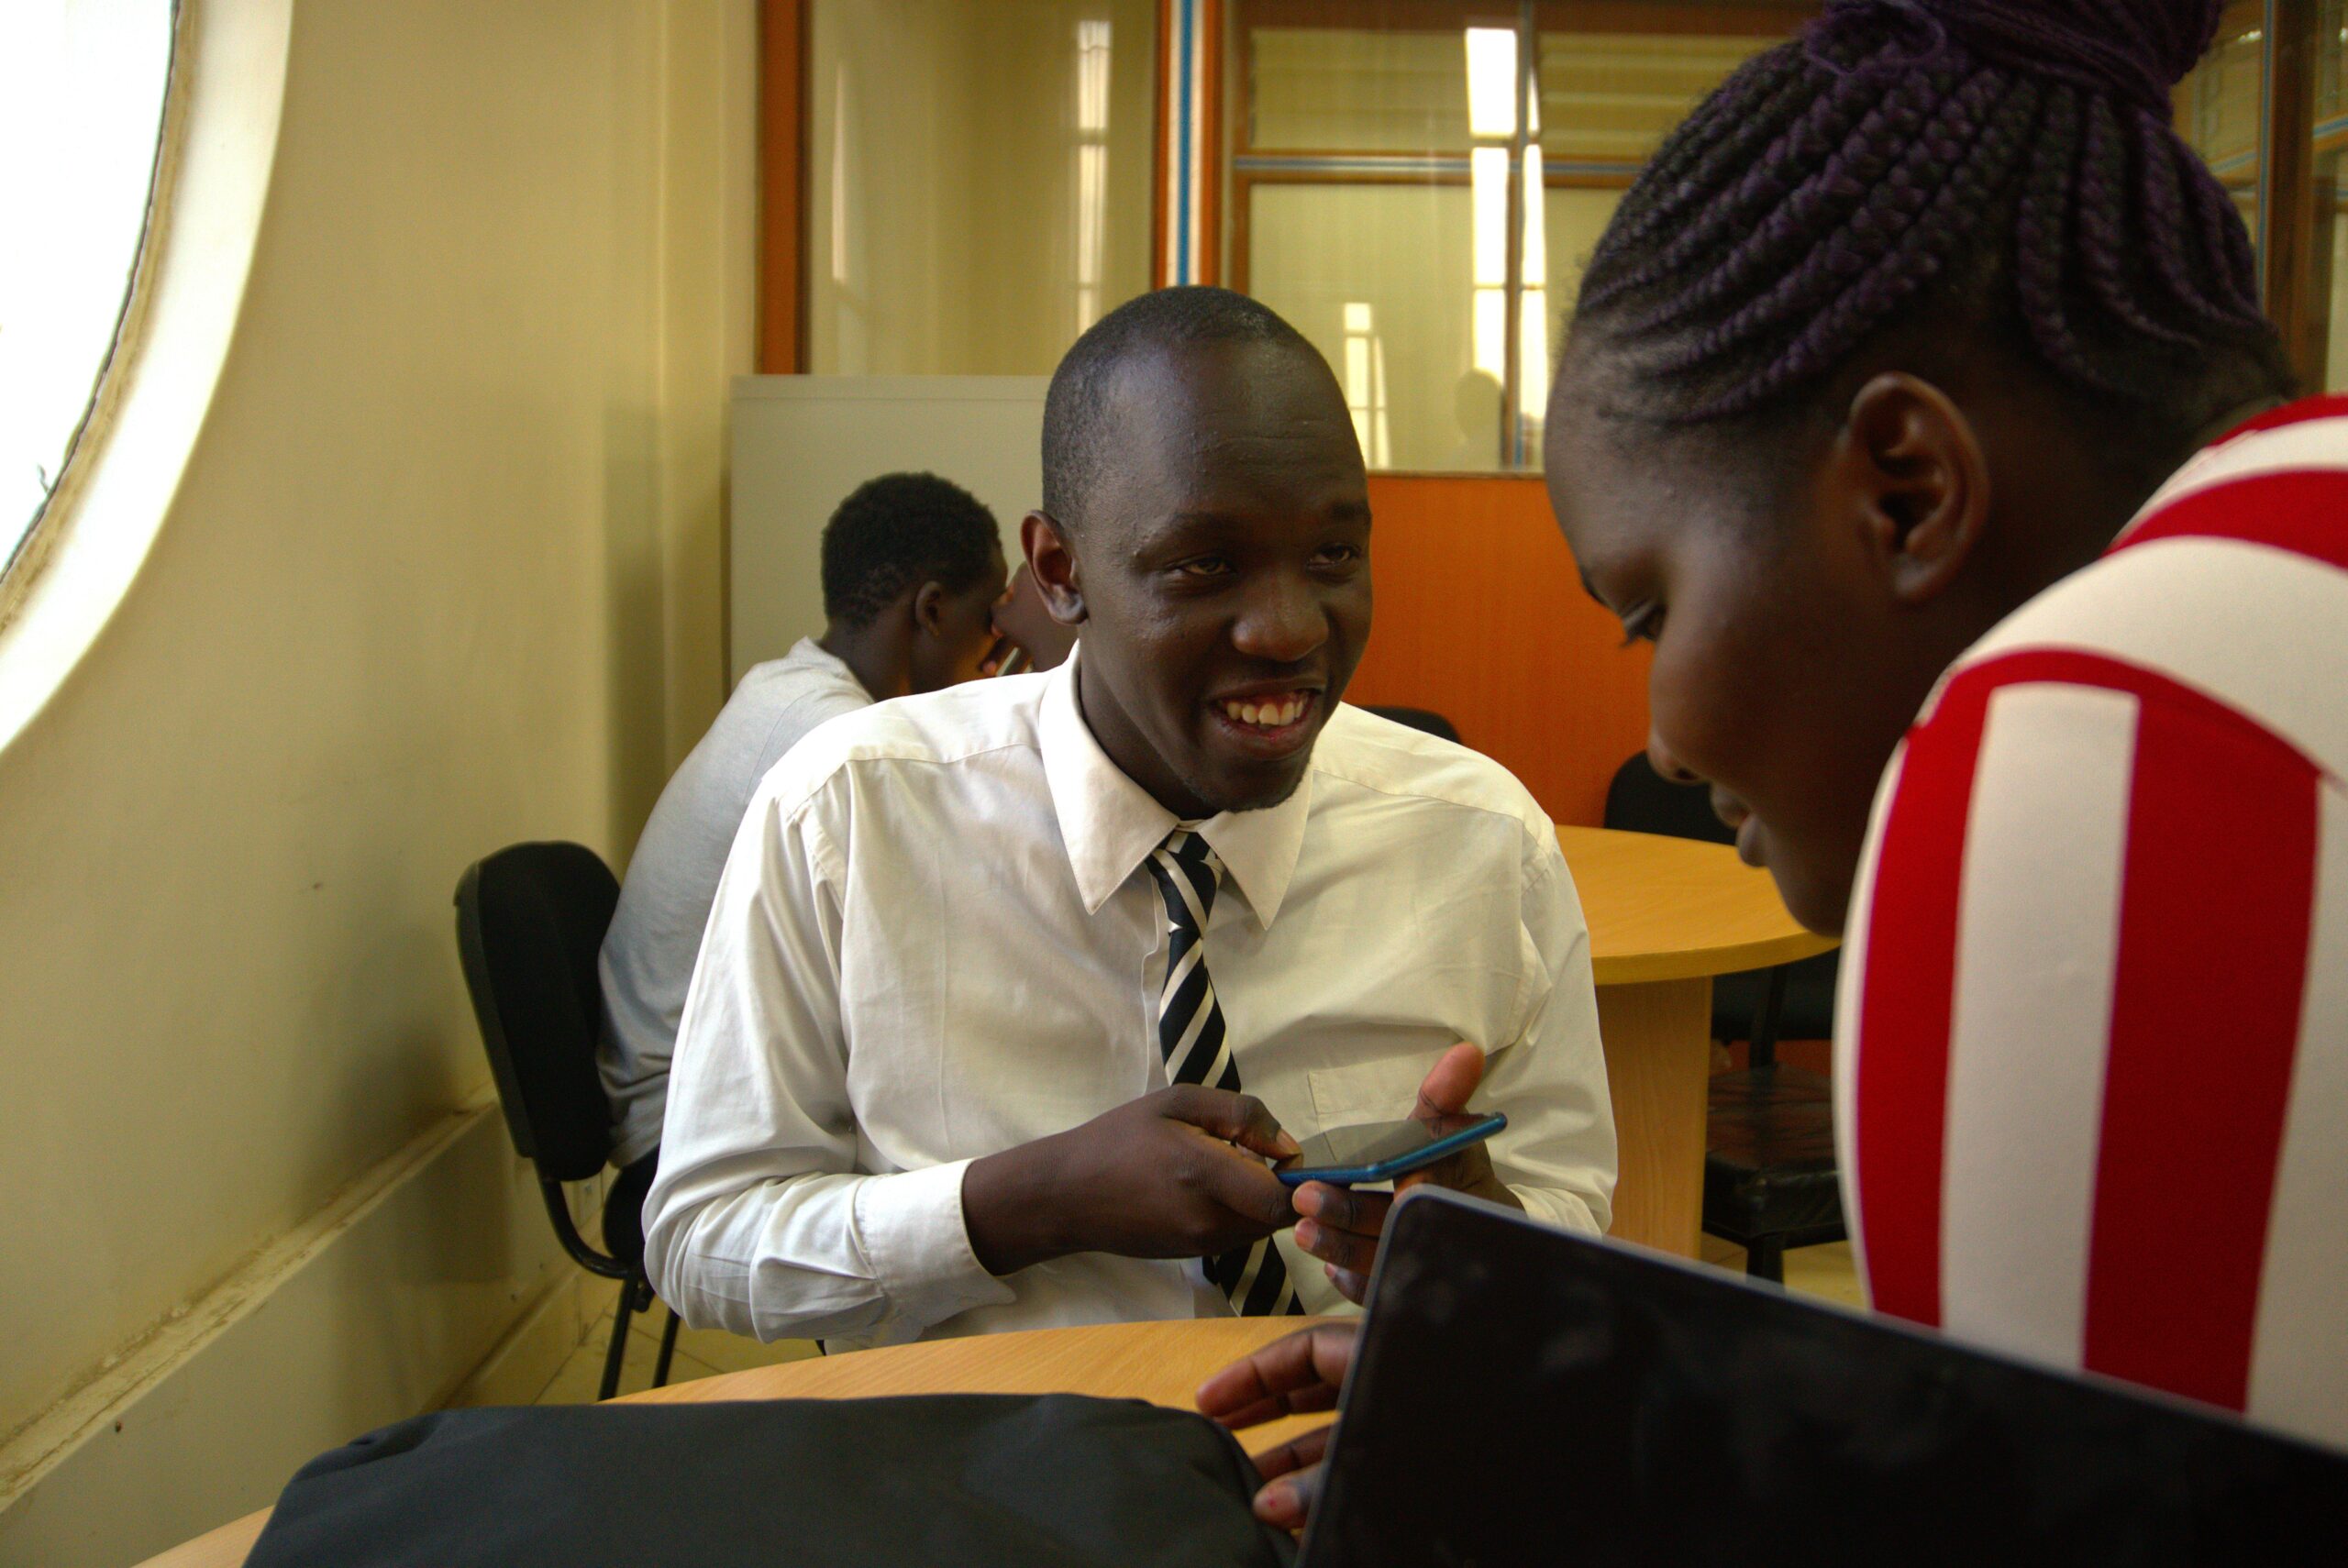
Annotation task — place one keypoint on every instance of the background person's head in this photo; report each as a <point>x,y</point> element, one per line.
<point>1206,520</point>
<point>913,566</point>
<point>1900,327</point>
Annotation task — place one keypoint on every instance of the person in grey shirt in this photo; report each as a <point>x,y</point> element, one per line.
<point>913,572</point>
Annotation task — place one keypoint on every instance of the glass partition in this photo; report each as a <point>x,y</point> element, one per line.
<point>977,180</point>
<point>1417,185</point>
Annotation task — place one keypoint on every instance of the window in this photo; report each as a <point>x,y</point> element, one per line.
<point>978,179</point>
<point>1443,169</point>
<point>82,86</point>
<point>2275,71</point>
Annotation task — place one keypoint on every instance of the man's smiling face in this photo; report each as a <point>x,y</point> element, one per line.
<point>1221,570</point>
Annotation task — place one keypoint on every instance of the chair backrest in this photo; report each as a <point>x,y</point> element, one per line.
<point>1640,799</point>
<point>530,922</point>
<point>1422,720</point>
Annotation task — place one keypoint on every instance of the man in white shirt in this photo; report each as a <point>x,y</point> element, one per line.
<point>1011,990</point>
<point>913,567</point>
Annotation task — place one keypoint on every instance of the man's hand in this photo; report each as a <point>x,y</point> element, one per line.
<point>1023,621</point>
<point>1179,1174</point>
<point>1288,1378</point>
<point>1342,1227</point>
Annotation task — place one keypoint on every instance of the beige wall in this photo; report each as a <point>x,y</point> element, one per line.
<point>443,574</point>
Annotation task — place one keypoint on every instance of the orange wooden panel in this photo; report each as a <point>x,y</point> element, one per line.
<point>782,185</point>
<point>1481,617</point>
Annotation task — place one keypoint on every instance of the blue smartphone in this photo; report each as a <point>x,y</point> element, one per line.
<point>1380,1151</point>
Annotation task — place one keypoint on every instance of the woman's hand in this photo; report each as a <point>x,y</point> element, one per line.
<point>1292,1376</point>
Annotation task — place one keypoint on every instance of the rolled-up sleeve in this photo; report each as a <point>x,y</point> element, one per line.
<point>764,1218</point>
<point>1558,1153</point>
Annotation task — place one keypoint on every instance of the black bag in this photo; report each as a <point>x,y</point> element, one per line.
<point>971,1479</point>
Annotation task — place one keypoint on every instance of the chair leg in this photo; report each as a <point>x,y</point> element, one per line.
<point>1761,1051</point>
<point>1765,1258</point>
<point>667,1351</point>
<point>618,1352</point>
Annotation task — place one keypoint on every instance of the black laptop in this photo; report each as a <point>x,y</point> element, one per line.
<point>1522,1396</point>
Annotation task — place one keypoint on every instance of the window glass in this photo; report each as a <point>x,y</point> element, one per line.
<point>2220,106</point>
<point>1418,186</point>
<point>82,86</point>
<point>978,179</point>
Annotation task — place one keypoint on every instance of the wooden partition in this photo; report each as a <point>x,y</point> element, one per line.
<point>1481,617</point>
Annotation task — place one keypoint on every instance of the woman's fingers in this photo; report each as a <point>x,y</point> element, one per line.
<point>1295,1454</point>
<point>1291,1375</point>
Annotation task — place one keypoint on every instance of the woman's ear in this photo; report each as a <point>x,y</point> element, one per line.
<point>1907,467</point>
<point>1046,546</point>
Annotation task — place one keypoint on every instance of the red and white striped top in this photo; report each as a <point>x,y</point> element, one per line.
<point>2092,1076</point>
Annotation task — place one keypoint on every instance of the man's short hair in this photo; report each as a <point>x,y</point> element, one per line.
<point>1077,434</point>
<point>897,532</point>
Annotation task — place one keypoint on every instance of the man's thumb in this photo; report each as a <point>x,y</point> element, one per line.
<point>1451,1082</point>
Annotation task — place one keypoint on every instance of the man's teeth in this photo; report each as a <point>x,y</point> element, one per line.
<point>1268,716</point>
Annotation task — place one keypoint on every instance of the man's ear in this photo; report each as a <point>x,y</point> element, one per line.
<point>1046,546</point>
<point>929,607</point>
<point>1908,467</point>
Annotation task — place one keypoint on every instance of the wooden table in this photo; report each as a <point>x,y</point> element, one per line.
<point>1666,915</point>
<point>1162,1363</point>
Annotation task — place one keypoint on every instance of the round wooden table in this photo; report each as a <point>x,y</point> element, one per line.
<point>1162,1363</point>
<point>1666,915</point>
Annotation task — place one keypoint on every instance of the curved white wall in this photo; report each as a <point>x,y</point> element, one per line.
<point>442,573</point>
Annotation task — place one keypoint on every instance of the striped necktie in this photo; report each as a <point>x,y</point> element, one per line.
<point>1192,1039</point>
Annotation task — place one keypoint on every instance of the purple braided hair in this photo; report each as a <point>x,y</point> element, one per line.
<point>1993,158</point>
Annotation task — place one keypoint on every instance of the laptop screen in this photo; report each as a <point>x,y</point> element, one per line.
<point>1522,1396</point>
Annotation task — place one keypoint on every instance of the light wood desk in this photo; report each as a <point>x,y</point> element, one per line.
<point>1666,915</point>
<point>1162,1363</point>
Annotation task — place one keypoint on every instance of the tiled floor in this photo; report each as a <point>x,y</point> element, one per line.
<point>1824,1272</point>
<point>1827,1272</point>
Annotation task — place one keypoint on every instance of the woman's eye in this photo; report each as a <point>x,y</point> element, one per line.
<point>1643,625</point>
<point>1342,554</point>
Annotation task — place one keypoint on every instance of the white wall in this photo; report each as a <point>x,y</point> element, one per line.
<point>803,443</point>
<point>442,574</point>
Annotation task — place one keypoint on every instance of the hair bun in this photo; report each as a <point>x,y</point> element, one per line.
<point>2133,48</point>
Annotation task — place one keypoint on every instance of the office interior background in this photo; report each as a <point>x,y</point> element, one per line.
<point>367,509</point>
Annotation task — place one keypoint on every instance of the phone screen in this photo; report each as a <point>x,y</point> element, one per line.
<point>1371,1143</point>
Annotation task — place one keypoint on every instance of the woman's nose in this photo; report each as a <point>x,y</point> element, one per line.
<point>1667,766</point>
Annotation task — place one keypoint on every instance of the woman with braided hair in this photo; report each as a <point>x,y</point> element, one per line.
<point>1920,411</point>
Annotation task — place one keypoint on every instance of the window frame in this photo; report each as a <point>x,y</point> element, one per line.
<point>21,563</point>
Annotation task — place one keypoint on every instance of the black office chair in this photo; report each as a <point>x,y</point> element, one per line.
<point>1420,718</point>
<point>530,921</point>
<point>1769,1176</point>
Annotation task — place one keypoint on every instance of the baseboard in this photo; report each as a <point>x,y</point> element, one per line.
<point>517,1370</point>
<point>433,1278</point>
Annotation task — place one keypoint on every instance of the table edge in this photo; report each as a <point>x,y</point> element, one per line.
<point>1710,963</point>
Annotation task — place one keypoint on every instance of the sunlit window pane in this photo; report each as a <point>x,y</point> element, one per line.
<point>1398,308</point>
<point>1449,169</point>
<point>979,179</point>
<point>82,87</point>
<point>2220,104</point>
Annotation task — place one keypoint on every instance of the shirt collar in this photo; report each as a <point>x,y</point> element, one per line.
<point>1110,824</point>
<point>807,650</point>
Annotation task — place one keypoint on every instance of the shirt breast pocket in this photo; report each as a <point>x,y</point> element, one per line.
<point>1383,1090</point>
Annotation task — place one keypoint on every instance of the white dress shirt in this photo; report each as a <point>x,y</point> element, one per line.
<point>647,963</point>
<point>936,939</point>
